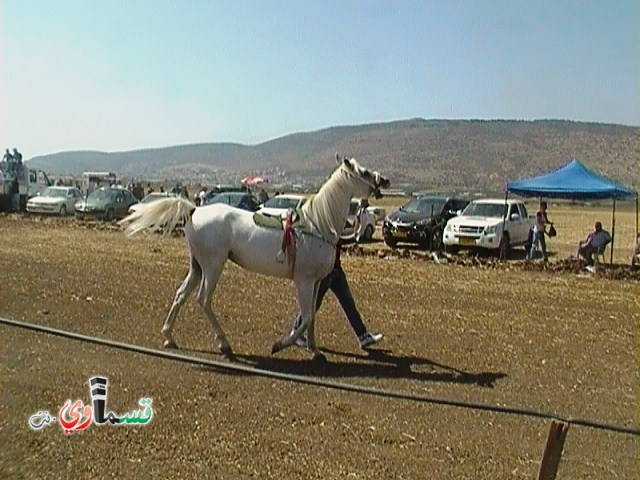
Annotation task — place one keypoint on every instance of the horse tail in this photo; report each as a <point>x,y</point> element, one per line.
<point>163,215</point>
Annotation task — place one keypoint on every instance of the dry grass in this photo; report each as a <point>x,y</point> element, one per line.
<point>557,342</point>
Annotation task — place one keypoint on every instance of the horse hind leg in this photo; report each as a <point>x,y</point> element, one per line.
<point>210,280</point>
<point>307,293</point>
<point>190,282</point>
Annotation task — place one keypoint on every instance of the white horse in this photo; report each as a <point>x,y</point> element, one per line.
<point>219,232</point>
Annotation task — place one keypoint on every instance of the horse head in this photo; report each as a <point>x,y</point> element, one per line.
<point>372,181</point>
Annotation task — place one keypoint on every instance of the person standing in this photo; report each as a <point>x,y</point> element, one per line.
<point>202,195</point>
<point>2,196</point>
<point>362,217</point>
<point>7,157</point>
<point>539,230</point>
<point>17,156</point>
<point>263,196</point>
<point>337,282</point>
<point>14,193</point>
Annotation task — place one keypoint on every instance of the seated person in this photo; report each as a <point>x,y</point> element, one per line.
<point>594,242</point>
<point>635,256</point>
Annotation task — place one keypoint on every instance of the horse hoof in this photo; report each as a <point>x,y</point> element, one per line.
<point>226,351</point>
<point>169,344</point>
<point>319,358</point>
<point>276,348</point>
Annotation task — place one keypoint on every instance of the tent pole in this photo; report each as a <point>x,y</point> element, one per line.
<point>636,215</point>
<point>613,230</point>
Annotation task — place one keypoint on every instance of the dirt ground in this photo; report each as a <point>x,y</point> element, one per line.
<point>548,339</point>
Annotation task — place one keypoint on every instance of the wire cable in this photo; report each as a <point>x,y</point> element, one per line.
<point>320,382</point>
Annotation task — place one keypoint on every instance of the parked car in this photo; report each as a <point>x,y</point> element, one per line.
<point>243,200</point>
<point>221,189</point>
<point>421,221</point>
<point>55,200</point>
<point>150,198</point>
<point>368,220</point>
<point>379,212</point>
<point>491,224</point>
<point>106,203</point>
<point>280,204</point>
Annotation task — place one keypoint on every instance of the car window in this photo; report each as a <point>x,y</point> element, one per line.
<point>220,198</point>
<point>460,205</point>
<point>496,210</point>
<point>524,211</point>
<point>282,202</point>
<point>430,206</point>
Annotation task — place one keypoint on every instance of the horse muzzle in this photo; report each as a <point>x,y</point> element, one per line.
<point>380,182</point>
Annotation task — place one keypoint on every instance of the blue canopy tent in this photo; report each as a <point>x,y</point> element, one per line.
<point>574,181</point>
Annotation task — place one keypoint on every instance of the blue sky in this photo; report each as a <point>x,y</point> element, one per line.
<point>116,75</point>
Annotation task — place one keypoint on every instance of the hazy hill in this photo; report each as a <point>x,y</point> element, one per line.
<point>432,154</point>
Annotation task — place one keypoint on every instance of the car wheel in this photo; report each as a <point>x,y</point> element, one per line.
<point>391,242</point>
<point>368,233</point>
<point>436,240</point>
<point>451,249</point>
<point>505,246</point>
<point>110,215</point>
<point>63,210</point>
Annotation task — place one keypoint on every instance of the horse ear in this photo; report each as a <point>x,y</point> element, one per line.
<point>348,163</point>
<point>338,159</point>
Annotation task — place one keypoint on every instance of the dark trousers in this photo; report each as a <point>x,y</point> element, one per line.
<point>336,281</point>
<point>587,253</point>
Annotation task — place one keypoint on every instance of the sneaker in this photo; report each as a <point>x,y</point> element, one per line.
<point>301,341</point>
<point>591,269</point>
<point>367,339</point>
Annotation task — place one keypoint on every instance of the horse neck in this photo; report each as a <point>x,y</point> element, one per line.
<point>329,207</point>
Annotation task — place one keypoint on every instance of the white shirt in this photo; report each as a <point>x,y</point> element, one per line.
<point>541,221</point>
<point>597,239</point>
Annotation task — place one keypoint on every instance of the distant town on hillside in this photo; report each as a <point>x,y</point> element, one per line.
<point>417,154</point>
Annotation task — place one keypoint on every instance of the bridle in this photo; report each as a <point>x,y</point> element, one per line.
<point>373,186</point>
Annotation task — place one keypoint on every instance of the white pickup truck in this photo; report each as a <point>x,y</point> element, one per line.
<point>480,225</point>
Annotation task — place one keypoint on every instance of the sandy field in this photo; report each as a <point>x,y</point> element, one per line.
<point>529,337</point>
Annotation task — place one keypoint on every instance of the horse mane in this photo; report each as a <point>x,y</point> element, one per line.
<point>321,208</point>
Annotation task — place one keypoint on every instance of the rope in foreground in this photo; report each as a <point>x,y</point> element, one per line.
<point>319,382</point>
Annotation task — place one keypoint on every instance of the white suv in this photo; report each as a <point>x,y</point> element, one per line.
<point>490,224</point>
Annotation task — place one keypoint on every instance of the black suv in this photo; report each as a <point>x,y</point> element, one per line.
<point>421,221</point>
<point>221,189</point>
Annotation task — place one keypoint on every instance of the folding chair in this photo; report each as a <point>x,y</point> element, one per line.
<point>600,253</point>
